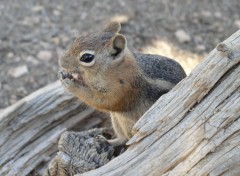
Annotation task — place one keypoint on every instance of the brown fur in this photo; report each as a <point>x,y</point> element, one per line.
<point>116,94</point>
<point>114,97</point>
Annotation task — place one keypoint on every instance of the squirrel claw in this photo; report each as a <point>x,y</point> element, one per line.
<point>100,137</point>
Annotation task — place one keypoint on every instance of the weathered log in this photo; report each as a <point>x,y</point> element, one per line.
<point>30,129</point>
<point>192,130</point>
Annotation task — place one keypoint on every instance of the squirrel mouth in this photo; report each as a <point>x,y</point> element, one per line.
<point>76,77</point>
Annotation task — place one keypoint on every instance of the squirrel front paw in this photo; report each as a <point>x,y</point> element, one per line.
<point>66,79</point>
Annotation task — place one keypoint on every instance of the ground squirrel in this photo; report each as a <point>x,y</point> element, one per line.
<point>106,74</point>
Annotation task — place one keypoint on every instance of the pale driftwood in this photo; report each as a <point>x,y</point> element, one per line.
<point>194,129</point>
<point>30,129</point>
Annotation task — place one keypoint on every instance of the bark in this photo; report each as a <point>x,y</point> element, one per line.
<point>192,130</point>
<point>30,129</point>
<point>80,152</point>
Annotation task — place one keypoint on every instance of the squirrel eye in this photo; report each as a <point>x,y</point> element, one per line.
<point>87,58</point>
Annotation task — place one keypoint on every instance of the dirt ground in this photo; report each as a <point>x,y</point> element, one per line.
<point>34,33</point>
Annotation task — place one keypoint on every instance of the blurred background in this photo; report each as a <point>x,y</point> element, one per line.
<point>34,33</point>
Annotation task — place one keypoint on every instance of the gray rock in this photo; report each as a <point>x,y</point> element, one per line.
<point>64,38</point>
<point>56,13</point>
<point>30,21</point>
<point>237,23</point>
<point>206,14</point>
<point>18,71</point>
<point>56,40</point>
<point>206,17</point>
<point>10,55</point>
<point>37,8</point>
<point>44,55</point>
<point>218,14</point>
<point>182,36</point>
<point>198,39</point>
<point>22,90</point>
<point>32,60</point>
<point>200,48</point>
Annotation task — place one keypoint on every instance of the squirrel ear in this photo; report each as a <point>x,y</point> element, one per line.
<point>118,44</point>
<point>112,27</point>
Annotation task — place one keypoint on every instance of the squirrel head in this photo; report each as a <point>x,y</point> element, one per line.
<point>100,63</point>
<point>94,50</point>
